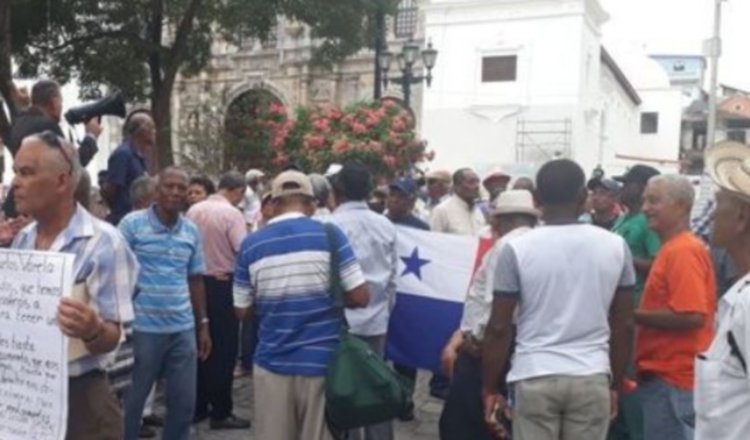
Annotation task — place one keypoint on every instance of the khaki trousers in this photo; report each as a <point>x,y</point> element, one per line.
<point>562,408</point>
<point>93,410</point>
<point>289,407</point>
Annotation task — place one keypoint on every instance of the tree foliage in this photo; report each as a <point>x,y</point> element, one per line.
<point>139,46</point>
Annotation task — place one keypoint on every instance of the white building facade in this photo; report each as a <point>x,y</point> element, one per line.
<point>522,82</point>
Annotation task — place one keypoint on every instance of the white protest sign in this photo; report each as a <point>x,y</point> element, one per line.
<point>33,350</point>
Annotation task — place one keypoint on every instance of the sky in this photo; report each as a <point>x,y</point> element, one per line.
<point>680,27</point>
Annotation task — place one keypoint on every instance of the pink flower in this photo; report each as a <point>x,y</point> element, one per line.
<point>376,147</point>
<point>340,146</point>
<point>398,125</point>
<point>280,159</point>
<point>322,124</point>
<point>277,109</point>
<point>358,128</point>
<point>348,120</point>
<point>389,161</point>
<point>396,139</point>
<point>373,120</point>
<point>334,114</point>
<point>314,142</point>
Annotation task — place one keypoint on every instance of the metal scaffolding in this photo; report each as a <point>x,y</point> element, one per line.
<point>539,141</point>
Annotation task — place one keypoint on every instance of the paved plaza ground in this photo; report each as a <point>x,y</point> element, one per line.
<point>424,427</point>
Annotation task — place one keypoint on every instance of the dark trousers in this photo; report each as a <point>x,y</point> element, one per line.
<point>216,374</point>
<point>463,413</point>
<point>438,382</point>
<point>93,410</point>
<point>248,342</point>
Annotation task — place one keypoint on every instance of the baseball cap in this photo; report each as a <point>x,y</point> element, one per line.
<point>290,183</point>
<point>406,185</point>
<point>638,174</point>
<point>604,182</point>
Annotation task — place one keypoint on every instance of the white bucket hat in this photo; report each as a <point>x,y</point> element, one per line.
<point>728,164</point>
<point>515,201</point>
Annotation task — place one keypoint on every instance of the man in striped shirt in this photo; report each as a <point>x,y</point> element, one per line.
<point>47,170</point>
<point>283,277</point>
<point>169,301</point>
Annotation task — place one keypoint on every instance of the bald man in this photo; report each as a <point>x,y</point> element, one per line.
<point>47,170</point>
<point>171,302</point>
<point>127,163</point>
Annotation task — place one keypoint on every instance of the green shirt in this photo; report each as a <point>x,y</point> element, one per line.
<point>643,242</point>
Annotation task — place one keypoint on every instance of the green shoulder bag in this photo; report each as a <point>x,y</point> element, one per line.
<point>361,389</point>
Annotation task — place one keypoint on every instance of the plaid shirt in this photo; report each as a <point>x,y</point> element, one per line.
<point>702,217</point>
<point>104,263</point>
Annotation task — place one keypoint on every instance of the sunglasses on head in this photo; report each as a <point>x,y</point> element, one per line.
<point>53,140</point>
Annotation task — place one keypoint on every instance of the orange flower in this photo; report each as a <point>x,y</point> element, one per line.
<point>341,146</point>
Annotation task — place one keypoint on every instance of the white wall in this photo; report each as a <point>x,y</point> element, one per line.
<point>469,123</point>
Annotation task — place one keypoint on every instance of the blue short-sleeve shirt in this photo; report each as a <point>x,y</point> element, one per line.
<point>167,256</point>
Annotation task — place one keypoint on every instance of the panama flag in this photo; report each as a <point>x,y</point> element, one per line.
<point>434,274</point>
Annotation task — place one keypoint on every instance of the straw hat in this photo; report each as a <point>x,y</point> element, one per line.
<point>728,164</point>
<point>515,201</point>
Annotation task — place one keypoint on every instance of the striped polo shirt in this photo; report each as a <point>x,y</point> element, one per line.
<point>167,257</point>
<point>283,271</point>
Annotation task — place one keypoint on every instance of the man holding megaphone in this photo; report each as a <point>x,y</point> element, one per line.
<point>45,114</point>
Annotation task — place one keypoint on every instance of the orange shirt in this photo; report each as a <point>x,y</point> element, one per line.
<point>681,279</point>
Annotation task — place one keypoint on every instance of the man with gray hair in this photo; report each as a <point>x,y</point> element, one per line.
<point>222,229</point>
<point>322,191</point>
<point>127,163</point>
<point>676,315</point>
<point>47,171</point>
<point>142,192</point>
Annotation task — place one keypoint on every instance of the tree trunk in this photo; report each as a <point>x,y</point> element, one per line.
<point>161,109</point>
<point>6,78</point>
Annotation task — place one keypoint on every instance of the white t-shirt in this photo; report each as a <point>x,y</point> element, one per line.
<point>565,277</point>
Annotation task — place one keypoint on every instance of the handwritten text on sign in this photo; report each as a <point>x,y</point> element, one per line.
<point>33,351</point>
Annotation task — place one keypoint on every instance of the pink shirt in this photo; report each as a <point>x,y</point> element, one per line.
<point>222,229</point>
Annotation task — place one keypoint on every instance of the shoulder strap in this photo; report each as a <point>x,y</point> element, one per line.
<point>337,293</point>
<point>735,350</point>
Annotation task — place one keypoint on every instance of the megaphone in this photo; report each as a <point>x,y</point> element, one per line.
<point>113,104</point>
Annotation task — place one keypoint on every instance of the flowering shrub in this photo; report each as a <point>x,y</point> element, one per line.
<point>378,135</point>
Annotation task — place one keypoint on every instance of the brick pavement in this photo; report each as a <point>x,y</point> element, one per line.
<point>424,427</point>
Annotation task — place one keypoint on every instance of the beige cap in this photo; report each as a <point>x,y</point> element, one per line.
<point>728,164</point>
<point>515,201</point>
<point>290,183</point>
<point>441,175</point>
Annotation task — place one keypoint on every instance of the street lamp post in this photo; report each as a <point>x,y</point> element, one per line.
<point>406,61</point>
<point>714,52</point>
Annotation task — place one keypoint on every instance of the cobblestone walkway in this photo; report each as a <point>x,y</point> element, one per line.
<point>424,427</point>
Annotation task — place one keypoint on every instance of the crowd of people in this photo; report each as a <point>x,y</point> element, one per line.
<point>595,314</point>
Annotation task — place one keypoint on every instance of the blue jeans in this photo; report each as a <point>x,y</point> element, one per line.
<point>173,357</point>
<point>667,411</point>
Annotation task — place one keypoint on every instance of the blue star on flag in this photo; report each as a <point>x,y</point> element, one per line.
<point>414,264</point>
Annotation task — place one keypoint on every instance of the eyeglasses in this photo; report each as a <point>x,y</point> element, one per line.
<point>52,139</point>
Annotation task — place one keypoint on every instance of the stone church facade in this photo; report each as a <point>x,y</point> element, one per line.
<point>280,69</point>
